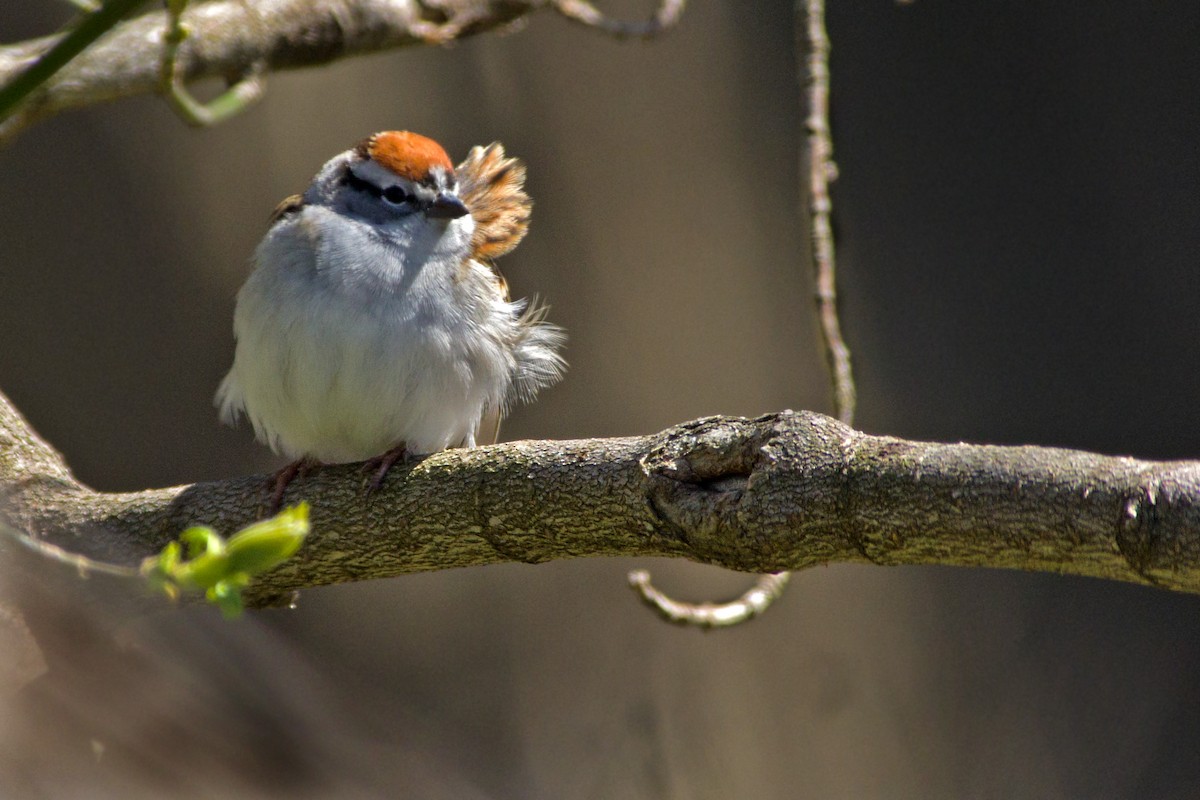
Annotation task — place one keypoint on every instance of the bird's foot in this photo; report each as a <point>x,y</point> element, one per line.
<point>379,465</point>
<point>278,483</point>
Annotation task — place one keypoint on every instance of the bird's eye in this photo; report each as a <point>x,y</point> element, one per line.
<point>395,195</point>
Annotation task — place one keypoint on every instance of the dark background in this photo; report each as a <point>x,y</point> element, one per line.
<point>1017,220</point>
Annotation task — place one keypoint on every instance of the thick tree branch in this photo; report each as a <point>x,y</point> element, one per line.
<point>781,492</point>
<point>233,38</point>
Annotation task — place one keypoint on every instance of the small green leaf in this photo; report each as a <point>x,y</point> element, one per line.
<point>203,572</point>
<point>223,569</point>
<point>227,595</point>
<point>267,544</point>
<point>202,539</point>
<point>159,570</point>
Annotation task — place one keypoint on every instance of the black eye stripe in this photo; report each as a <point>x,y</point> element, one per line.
<point>392,194</point>
<point>359,185</point>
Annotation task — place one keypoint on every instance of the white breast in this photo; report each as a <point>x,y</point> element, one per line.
<point>347,348</point>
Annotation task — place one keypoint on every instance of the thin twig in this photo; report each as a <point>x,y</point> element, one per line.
<point>82,564</point>
<point>821,172</point>
<point>585,13</point>
<point>812,38</point>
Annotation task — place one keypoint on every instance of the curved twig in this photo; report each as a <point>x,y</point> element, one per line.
<point>241,93</point>
<point>750,604</point>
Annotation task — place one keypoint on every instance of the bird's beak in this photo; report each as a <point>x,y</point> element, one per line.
<point>447,206</point>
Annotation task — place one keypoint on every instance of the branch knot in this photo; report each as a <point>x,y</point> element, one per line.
<point>701,476</point>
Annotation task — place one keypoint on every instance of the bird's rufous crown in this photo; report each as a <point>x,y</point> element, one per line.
<point>409,155</point>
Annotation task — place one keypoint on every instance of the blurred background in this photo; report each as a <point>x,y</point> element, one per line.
<point>1017,219</point>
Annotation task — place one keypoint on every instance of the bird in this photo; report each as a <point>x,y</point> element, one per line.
<point>374,323</point>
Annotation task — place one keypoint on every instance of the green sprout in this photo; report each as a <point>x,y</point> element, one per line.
<point>223,568</point>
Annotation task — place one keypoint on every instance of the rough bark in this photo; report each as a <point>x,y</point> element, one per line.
<point>782,492</point>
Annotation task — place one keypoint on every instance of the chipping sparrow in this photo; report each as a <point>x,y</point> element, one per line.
<point>373,322</point>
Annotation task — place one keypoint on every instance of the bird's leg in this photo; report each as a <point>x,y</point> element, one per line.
<point>382,463</point>
<point>279,481</point>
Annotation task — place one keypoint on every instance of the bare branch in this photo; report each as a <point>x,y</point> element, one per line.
<point>782,492</point>
<point>231,39</point>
